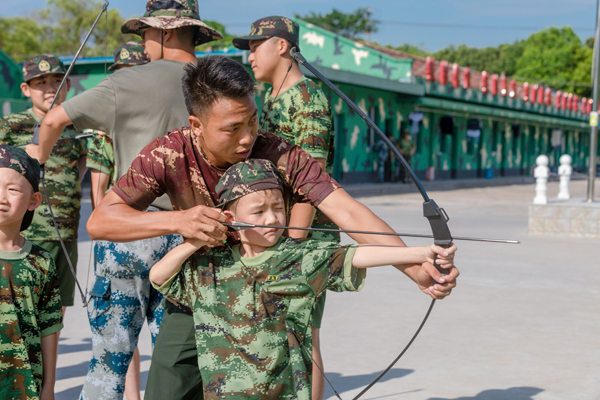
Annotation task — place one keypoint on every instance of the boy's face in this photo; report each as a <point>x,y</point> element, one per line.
<point>265,207</point>
<point>227,134</point>
<point>264,58</point>
<point>16,197</point>
<point>42,89</point>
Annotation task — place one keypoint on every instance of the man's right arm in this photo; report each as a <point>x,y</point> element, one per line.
<point>115,220</point>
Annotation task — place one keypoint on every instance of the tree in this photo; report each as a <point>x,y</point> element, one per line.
<point>217,44</point>
<point>350,25</point>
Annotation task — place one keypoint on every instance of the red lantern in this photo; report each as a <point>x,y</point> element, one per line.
<point>429,69</point>
<point>584,105</point>
<point>575,104</point>
<point>533,96</point>
<point>513,88</point>
<point>443,77</point>
<point>563,101</point>
<point>526,91</point>
<point>559,97</point>
<point>570,101</point>
<point>466,81</point>
<point>548,96</point>
<point>589,106</point>
<point>540,95</point>
<point>455,75</point>
<point>503,90</point>
<point>494,84</point>
<point>484,82</point>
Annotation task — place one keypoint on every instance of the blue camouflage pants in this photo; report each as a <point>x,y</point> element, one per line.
<point>121,300</point>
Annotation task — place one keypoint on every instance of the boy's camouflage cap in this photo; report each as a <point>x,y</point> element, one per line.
<point>17,159</point>
<point>131,53</point>
<point>248,177</point>
<point>172,14</point>
<point>268,27</point>
<point>44,64</point>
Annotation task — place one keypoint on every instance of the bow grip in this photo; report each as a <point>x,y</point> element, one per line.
<point>438,220</point>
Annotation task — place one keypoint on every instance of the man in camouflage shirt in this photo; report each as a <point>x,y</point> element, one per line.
<point>297,110</point>
<point>186,164</point>
<point>30,311</point>
<point>63,170</point>
<point>253,303</point>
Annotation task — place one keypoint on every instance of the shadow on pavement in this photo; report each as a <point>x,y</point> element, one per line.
<point>346,383</point>
<point>74,348</point>
<point>514,393</point>
<point>72,371</point>
<point>69,394</point>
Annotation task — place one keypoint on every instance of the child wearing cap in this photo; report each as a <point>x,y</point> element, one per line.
<point>63,171</point>
<point>254,302</point>
<point>30,312</point>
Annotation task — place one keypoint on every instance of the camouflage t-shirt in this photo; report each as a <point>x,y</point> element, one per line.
<point>100,157</point>
<point>302,115</point>
<point>246,347</point>
<point>30,309</point>
<point>61,178</point>
<point>174,164</point>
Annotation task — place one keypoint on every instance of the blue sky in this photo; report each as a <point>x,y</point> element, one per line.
<point>403,21</point>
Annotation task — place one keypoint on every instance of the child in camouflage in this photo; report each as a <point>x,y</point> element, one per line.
<point>253,303</point>
<point>30,310</point>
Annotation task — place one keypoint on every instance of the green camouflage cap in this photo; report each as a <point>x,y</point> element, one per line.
<point>131,53</point>
<point>248,177</point>
<point>17,159</point>
<point>172,14</point>
<point>268,27</point>
<point>44,64</point>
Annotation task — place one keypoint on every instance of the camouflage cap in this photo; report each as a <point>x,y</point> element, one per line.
<point>17,159</point>
<point>248,177</point>
<point>172,14</point>
<point>268,27</point>
<point>44,64</point>
<point>130,54</point>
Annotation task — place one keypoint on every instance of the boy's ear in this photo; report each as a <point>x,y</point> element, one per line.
<point>36,200</point>
<point>230,216</point>
<point>25,89</point>
<point>68,84</point>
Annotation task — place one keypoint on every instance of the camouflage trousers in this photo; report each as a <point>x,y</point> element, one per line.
<point>121,300</point>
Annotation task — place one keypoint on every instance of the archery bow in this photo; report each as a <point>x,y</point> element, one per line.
<point>36,140</point>
<point>437,217</point>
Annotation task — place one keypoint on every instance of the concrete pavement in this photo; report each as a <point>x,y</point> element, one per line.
<point>523,323</point>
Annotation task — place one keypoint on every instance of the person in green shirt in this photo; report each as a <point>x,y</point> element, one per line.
<point>64,170</point>
<point>253,303</point>
<point>407,147</point>
<point>297,110</point>
<point>30,310</point>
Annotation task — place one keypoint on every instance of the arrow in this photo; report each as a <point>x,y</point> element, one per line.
<point>242,226</point>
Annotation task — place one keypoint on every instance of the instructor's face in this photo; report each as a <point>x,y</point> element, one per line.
<point>227,134</point>
<point>151,41</point>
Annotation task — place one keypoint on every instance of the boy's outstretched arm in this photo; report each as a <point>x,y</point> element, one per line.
<point>347,213</point>
<point>368,256</point>
<point>171,263</point>
<point>49,355</point>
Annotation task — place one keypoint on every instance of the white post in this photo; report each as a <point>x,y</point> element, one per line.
<point>564,172</point>
<point>541,173</point>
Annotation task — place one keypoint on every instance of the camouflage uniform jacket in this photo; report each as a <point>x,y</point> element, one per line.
<point>30,309</point>
<point>101,157</point>
<point>174,164</point>
<point>246,348</point>
<point>61,178</point>
<point>302,115</point>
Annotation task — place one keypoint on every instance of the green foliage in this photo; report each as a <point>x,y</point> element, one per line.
<point>217,44</point>
<point>411,49</point>
<point>350,25</point>
<point>60,29</point>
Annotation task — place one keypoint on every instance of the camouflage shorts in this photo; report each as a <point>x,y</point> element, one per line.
<point>121,300</point>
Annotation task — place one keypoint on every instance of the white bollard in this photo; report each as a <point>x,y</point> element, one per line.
<point>541,173</point>
<point>564,172</point>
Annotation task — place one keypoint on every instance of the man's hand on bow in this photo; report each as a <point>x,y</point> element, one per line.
<point>432,282</point>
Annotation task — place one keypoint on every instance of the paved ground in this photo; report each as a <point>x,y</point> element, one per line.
<point>523,323</point>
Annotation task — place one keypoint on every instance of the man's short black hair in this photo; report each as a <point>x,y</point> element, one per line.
<point>212,78</point>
